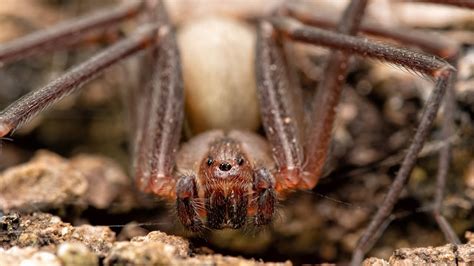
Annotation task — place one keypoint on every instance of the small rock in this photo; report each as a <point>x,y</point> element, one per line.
<point>9,225</point>
<point>465,254</point>
<point>109,186</point>
<point>46,231</point>
<point>181,245</point>
<point>27,257</point>
<point>158,248</point>
<point>375,262</point>
<point>72,254</point>
<point>470,237</point>
<point>141,253</point>
<point>47,181</point>
<point>227,260</point>
<point>444,255</point>
<point>98,238</point>
<point>130,231</point>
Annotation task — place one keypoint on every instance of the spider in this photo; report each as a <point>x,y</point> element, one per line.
<point>225,179</point>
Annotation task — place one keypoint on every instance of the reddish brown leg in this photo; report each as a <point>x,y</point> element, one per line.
<point>429,113</point>
<point>33,103</point>
<point>418,61</point>
<point>448,124</point>
<point>444,162</point>
<point>278,109</point>
<point>160,114</point>
<point>327,97</point>
<point>139,94</point>
<point>424,63</point>
<point>186,205</point>
<point>263,184</point>
<point>430,43</point>
<point>67,33</point>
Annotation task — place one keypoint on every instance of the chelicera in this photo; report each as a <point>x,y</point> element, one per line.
<point>230,178</point>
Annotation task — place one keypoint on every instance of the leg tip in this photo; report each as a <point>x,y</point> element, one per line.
<point>288,179</point>
<point>163,186</point>
<point>4,129</point>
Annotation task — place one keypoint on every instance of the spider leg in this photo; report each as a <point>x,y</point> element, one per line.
<point>444,162</point>
<point>67,33</point>
<point>439,69</point>
<point>159,113</point>
<point>154,13</point>
<point>442,48</point>
<point>447,133</point>
<point>417,61</point>
<point>278,110</point>
<point>186,206</point>
<point>451,53</point>
<point>431,43</point>
<point>263,184</point>
<point>138,95</point>
<point>34,102</point>
<point>327,97</point>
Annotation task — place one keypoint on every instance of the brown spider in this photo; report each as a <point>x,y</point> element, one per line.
<point>223,179</point>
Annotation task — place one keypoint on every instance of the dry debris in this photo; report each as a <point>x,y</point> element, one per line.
<point>27,256</point>
<point>43,239</point>
<point>445,255</point>
<point>158,248</point>
<point>46,232</point>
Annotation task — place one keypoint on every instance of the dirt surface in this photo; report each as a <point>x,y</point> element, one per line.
<point>67,197</point>
<point>49,181</point>
<point>43,239</point>
<point>445,255</point>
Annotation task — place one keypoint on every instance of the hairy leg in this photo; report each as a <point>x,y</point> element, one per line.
<point>327,97</point>
<point>448,131</point>
<point>159,114</point>
<point>186,205</point>
<point>28,106</point>
<point>431,43</point>
<point>278,109</point>
<point>424,63</point>
<point>67,33</point>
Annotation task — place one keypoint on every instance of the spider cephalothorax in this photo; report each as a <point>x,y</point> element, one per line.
<point>228,185</point>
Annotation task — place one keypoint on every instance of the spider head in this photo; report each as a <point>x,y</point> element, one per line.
<point>225,178</point>
<point>226,191</point>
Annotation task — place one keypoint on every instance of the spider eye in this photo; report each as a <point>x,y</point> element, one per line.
<point>210,161</point>
<point>240,160</point>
